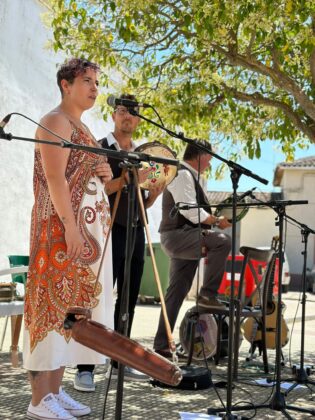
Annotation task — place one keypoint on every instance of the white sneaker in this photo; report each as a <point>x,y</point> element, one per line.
<point>48,409</point>
<point>72,406</point>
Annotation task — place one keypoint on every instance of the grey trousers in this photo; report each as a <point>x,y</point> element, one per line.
<point>183,247</point>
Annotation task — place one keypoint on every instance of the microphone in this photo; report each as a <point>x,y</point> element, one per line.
<point>128,103</point>
<point>5,121</point>
<point>174,211</point>
<point>245,194</point>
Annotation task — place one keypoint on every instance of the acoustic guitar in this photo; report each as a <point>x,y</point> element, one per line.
<point>252,327</point>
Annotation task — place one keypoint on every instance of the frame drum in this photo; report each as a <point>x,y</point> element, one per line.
<point>227,211</point>
<point>160,173</point>
<point>205,331</point>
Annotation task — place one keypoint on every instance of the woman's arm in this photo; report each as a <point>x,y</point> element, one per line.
<point>55,161</point>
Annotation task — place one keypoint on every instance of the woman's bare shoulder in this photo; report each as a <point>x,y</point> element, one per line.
<point>55,121</point>
<point>55,117</point>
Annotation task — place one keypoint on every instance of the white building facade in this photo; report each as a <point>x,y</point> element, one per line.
<point>28,86</point>
<point>297,181</point>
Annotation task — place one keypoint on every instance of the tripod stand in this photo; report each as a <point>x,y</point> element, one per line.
<point>301,375</point>
<point>130,241</point>
<point>123,322</point>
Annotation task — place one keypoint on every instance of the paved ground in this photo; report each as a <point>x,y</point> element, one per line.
<point>143,401</point>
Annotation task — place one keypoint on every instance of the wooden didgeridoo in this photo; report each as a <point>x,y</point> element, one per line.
<point>120,348</point>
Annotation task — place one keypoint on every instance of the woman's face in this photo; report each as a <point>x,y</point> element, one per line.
<point>84,89</point>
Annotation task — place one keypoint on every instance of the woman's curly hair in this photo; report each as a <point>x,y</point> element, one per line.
<point>72,68</point>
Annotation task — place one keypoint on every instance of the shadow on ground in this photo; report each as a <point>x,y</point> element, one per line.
<point>143,401</point>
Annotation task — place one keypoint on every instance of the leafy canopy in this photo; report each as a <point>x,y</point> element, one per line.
<point>235,71</point>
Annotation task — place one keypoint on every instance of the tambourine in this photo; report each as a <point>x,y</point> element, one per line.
<point>203,330</point>
<point>160,173</point>
<point>228,211</point>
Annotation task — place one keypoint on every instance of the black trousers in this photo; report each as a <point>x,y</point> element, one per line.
<point>119,236</point>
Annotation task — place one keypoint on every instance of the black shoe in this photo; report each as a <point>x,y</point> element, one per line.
<point>210,302</point>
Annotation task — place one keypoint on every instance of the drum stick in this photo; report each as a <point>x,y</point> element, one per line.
<point>170,337</point>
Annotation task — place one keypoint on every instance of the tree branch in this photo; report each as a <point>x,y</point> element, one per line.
<point>280,79</point>
<point>258,99</point>
<point>275,58</point>
<point>312,66</point>
<point>216,102</point>
<point>251,43</point>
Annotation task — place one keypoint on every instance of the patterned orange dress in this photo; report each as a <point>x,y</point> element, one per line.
<point>54,282</point>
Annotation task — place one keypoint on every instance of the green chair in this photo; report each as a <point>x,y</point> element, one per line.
<point>17,261</point>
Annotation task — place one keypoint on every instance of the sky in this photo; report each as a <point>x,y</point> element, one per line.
<point>263,167</point>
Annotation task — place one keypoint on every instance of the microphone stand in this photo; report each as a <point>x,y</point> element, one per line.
<point>123,320</point>
<point>131,160</point>
<point>236,172</point>
<point>301,375</point>
<point>277,402</point>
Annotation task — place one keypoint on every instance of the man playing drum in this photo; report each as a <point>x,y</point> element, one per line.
<point>181,241</point>
<point>121,139</point>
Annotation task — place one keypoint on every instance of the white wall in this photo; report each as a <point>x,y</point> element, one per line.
<point>27,85</point>
<point>299,184</point>
<point>258,227</point>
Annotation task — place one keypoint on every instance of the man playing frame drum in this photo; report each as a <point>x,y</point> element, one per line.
<point>180,239</point>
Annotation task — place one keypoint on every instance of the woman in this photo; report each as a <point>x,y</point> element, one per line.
<point>70,222</point>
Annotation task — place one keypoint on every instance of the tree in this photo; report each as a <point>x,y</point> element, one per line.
<point>241,71</point>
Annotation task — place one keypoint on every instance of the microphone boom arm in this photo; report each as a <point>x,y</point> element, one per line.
<point>241,170</point>
<point>115,154</point>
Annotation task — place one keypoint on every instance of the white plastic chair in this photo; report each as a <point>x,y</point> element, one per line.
<point>14,310</point>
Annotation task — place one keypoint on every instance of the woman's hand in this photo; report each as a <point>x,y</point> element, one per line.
<point>104,172</point>
<point>74,242</point>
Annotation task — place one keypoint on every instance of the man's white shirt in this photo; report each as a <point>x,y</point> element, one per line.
<point>111,140</point>
<point>183,190</point>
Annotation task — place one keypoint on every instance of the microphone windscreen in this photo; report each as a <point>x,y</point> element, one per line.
<point>111,101</point>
